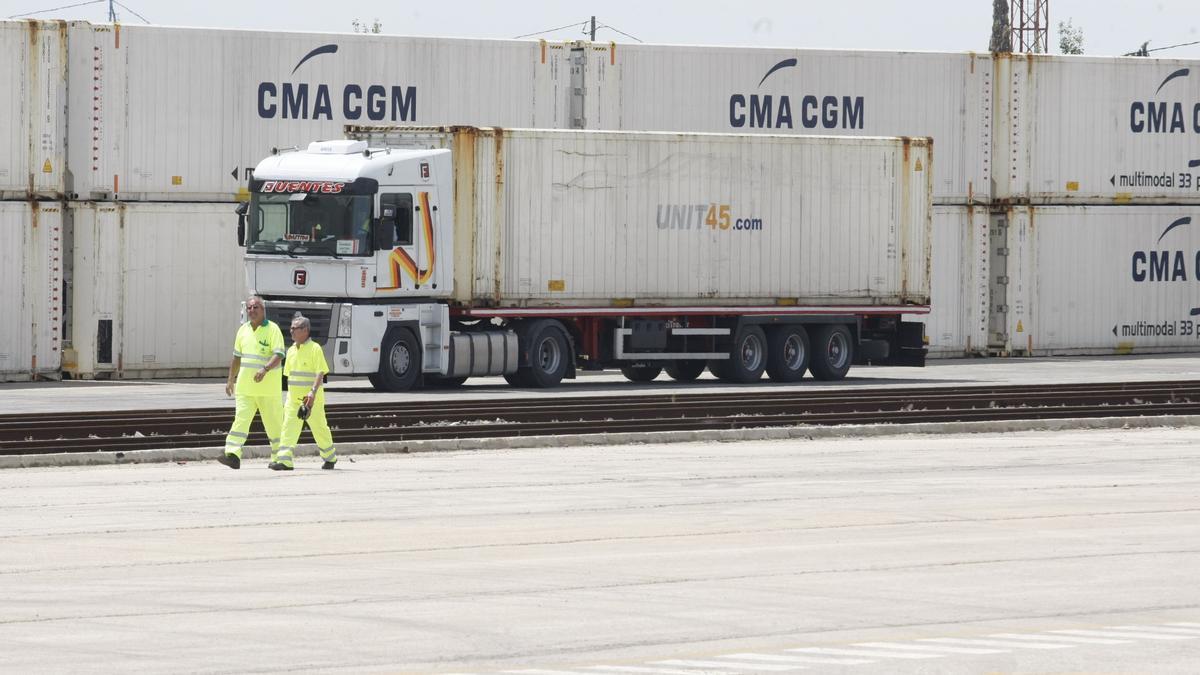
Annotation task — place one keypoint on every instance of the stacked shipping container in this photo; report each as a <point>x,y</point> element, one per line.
<point>1094,250</point>
<point>174,118</point>
<point>33,63</point>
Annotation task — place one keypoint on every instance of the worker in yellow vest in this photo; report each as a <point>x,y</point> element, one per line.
<point>305,368</point>
<point>255,376</point>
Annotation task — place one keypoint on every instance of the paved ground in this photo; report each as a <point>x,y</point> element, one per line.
<point>112,395</point>
<point>899,555</point>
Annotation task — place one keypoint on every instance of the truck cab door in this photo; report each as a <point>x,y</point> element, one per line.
<point>395,267</point>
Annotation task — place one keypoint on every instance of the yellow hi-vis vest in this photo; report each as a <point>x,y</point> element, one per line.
<point>255,347</point>
<point>304,362</point>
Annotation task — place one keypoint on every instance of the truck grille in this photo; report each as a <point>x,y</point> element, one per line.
<point>319,315</point>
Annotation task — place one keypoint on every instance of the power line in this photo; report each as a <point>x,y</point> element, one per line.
<point>1146,52</point>
<point>585,24</point>
<point>80,4</point>
<point>1185,44</point>
<point>618,31</point>
<point>45,11</point>
<point>131,11</point>
<point>542,32</point>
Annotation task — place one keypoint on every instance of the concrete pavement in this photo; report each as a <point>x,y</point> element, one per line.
<point>633,558</point>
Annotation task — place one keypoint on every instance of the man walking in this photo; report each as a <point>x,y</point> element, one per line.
<point>255,375</point>
<point>305,368</point>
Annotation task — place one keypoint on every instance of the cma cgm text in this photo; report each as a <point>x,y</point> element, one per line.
<point>1163,118</point>
<point>299,101</point>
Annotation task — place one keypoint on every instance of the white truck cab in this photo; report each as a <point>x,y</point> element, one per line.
<point>361,242</point>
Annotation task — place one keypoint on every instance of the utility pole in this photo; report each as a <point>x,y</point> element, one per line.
<point>593,29</point>
<point>112,13</point>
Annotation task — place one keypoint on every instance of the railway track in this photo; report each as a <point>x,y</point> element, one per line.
<point>737,408</point>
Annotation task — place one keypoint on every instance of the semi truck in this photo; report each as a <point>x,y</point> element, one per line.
<point>428,255</point>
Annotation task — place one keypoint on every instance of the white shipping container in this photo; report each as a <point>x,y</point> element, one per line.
<point>957,322</point>
<point>31,290</point>
<point>585,218</point>
<point>1102,280</point>
<point>183,114</point>
<point>156,289</point>
<point>33,77</point>
<point>747,90</point>
<point>1086,130</point>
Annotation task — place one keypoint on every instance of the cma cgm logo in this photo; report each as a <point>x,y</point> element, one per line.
<point>1165,117</point>
<point>1165,264</point>
<point>809,111</point>
<point>309,101</point>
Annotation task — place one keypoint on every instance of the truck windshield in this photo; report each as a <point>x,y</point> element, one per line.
<point>309,224</point>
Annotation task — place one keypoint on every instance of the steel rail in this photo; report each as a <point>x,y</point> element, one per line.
<point>737,407</point>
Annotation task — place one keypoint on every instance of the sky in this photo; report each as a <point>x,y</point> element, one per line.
<point>1109,27</point>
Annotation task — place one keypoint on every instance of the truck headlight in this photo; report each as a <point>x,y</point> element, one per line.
<point>345,318</point>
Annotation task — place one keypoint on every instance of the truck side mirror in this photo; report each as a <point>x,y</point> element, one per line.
<point>241,210</point>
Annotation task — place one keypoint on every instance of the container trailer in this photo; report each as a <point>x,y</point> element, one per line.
<point>434,254</point>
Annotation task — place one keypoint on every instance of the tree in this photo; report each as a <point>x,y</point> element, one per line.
<point>1070,38</point>
<point>1001,28</point>
<point>362,27</point>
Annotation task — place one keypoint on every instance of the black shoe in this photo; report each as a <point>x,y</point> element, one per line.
<point>231,461</point>
<point>329,465</point>
<point>276,466</point>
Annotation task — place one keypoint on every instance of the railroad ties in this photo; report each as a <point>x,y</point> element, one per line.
<point>735,408</point>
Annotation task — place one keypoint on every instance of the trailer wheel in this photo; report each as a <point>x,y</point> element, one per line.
<point>685,370</point>
<point>548,354</point>
<point>747,358</point>
<point>787,353</point>
<point>641,373</point>
<point>399,361</point>
<point>832,352</point>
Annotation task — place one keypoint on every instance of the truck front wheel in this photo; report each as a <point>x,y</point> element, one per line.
<point>399,361</point>
<point>832,352</point>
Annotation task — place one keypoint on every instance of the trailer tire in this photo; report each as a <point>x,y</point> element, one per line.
<point>787,353</point>
<point>399,361</point>
<point>747,357</point>
<point>832,352</point>
<point>641,373</point>
<point>685,370</point>
<point>549,351</point>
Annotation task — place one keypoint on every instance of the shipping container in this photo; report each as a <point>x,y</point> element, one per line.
<point>33,76</point>
<point>31,290</point>
<point>1098,280</point>
<point>1089,130</point>
<point>157,289</point>
<point>179,114</point>
<point>579,218</point>
<point>800,91</point>
<point>957,324</point>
